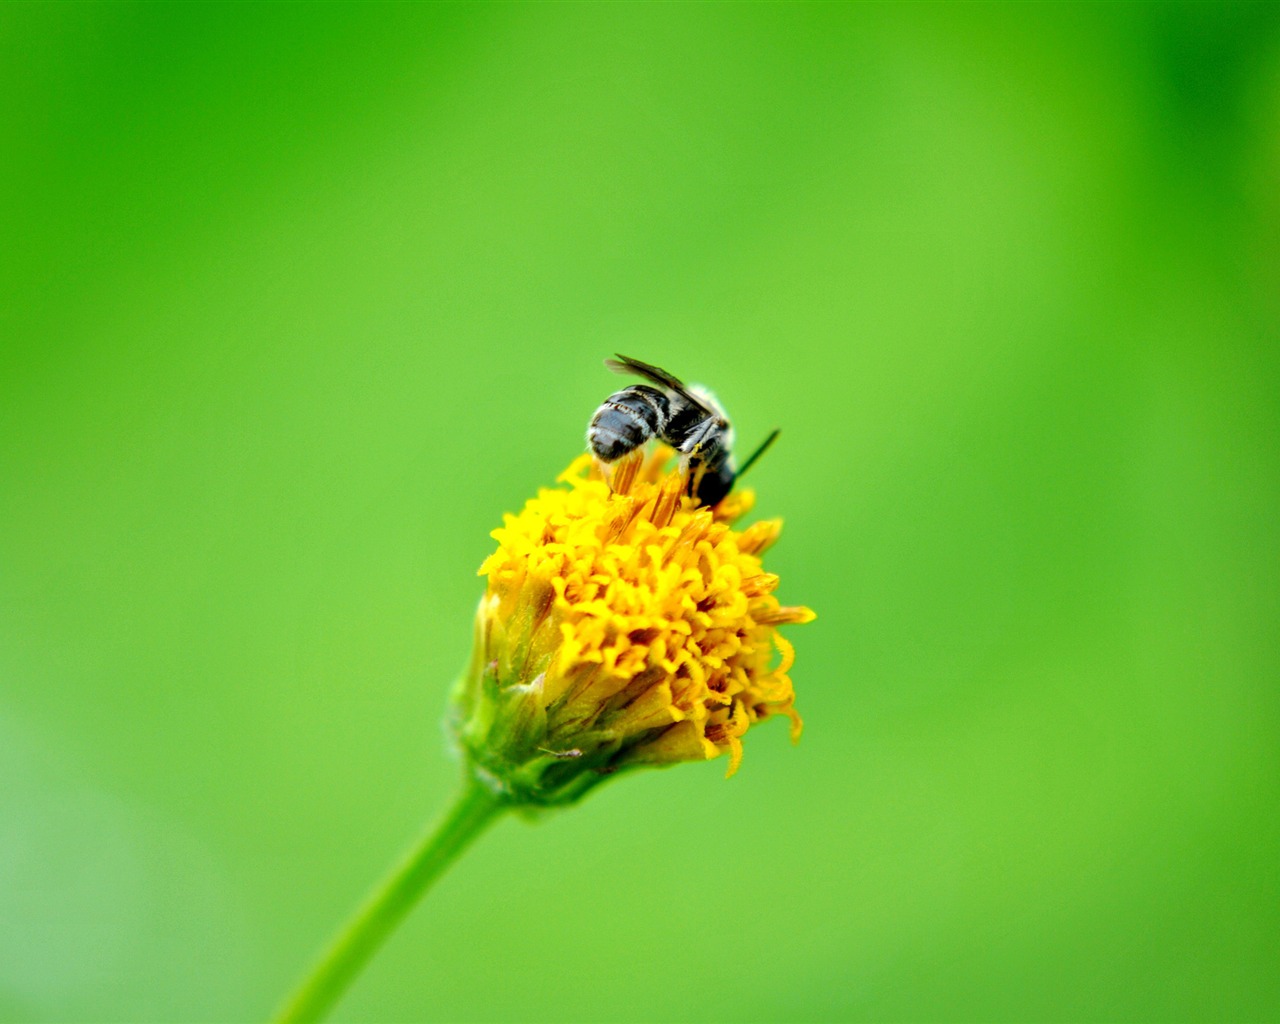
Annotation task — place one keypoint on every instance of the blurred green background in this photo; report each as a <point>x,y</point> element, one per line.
<point>296,301</point>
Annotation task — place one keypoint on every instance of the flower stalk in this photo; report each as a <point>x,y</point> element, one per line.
<point>476,807</point>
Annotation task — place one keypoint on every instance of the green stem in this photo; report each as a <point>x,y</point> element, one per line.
<point>475,807</point>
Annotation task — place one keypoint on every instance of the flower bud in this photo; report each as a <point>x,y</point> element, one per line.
<point>620,630</point>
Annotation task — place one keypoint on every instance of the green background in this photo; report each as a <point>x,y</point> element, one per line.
<point>296,301</point>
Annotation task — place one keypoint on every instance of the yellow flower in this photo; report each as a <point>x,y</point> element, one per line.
<point>621,629</point>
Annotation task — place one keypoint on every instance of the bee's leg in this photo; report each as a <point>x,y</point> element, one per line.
<point>694,468</point>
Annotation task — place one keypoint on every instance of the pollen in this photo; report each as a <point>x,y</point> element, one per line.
<point>622,629</point>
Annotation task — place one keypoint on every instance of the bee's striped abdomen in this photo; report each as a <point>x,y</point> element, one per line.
<point>626,420</point>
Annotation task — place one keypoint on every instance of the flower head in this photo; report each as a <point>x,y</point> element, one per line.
<point>622,629</point>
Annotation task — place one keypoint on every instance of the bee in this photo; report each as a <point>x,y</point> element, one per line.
<point>687,418</point>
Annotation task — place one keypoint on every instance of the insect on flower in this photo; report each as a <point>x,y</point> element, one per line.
<point>686,417</point>
<point>627,619</point>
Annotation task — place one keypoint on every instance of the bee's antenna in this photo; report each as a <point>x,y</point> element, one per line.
<point>751,459</point>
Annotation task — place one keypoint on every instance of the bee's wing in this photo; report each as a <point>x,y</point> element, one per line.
<point>625,364</point>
